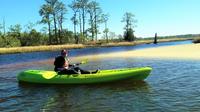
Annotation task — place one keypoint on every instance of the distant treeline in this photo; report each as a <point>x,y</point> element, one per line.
<point>87,18</point>
<point>189,36</point>
<point>16,38</point>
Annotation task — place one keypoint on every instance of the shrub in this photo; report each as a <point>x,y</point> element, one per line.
<point>196,40</point>
<point>13,42</point>
<point>128,35</point>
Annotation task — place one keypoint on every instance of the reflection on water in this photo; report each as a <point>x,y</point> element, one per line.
<point>90,97</point>
<point>172,83</point>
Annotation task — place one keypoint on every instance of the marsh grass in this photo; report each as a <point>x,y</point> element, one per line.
<point>39,48</point>
<point>78,46</point>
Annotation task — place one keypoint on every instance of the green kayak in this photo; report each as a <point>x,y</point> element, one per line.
<point>51,77</point>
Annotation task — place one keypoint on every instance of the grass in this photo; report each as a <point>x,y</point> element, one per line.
<point>39,48</point>
<point>76,46</point>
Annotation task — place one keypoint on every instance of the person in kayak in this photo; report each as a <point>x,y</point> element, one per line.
<point>62,65</point>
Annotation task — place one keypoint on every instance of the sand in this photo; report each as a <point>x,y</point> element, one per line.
<point>188,51</point>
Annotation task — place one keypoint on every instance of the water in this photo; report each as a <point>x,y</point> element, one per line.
<point>174,85</point>
<point>36,56</point>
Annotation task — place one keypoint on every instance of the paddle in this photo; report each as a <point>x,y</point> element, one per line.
<point>82,62</point>
<point>49,74</point>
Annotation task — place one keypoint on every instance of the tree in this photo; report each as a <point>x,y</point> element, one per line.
<point>52,4</point>
<point>112,35</point>
<point>56,10</point>
<point>129,25</point>
<point>120,37</point>
<point>105,20</point>
<point>60,11</point>
<point>4,27</point>
<point>155,39</point>
<point>74,7</point>
<point>1,27</point>
<point>15,31</point>
<point>82,5</point>
<point>90,10</point>
<point>95,18</point>
<point>29,26</point>
<point>128,35</point>
<point>45,12</point>
<point>14,36</point>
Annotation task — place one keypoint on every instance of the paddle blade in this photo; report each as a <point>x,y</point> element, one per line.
<point>49,75</point>
<point>84,61</point>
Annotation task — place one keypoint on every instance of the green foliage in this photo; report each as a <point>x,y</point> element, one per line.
<point>33,38</point>
<point>129,21</point>
<point>82,38</point>
<point>128,35</point>
<point>15,31</point>
<point>9,41</point>
<point>13,42</point>
<point>2,42</point>
<point>67,37</point>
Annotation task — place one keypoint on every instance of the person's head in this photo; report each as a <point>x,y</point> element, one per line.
<point>64,52</point>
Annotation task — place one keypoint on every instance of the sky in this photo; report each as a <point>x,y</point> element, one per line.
<point>164,17</point>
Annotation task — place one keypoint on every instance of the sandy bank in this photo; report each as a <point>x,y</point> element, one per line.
<point>189,51</point>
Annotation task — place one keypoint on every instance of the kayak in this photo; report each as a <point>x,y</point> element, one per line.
<point>51,77</point>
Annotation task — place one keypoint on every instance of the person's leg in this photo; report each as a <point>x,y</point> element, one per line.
<point>67,72</point>
<point>81,70</point>
<point>85,71</point>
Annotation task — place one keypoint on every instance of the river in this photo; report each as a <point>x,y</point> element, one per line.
<point>174,84</point>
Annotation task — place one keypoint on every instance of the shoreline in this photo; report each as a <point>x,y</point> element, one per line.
<point>13,50</point>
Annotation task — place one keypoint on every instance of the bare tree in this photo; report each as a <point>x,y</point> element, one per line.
<point>83,7</point>
<point>90,10</point>
<point>104,18</point>
<point>74,7</point>
<point>130,21</point>
<point>95,17</point>
<point>4,27</point>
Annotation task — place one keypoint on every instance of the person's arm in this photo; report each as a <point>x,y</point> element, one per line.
<point>67,61</point>
<point>55,61</point>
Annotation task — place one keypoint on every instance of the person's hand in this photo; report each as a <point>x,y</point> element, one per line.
<point>77,64</point>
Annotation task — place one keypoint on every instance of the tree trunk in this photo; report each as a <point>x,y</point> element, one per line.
<point>155,39</point>
<point>80,22</point>
<point>61,29</point>
<point>83,17</point>
<point>55,28</point>
<point>106,31</point>
<point>92,25</point>
<point>49,28</point>
<point>95,24</point>
<point>4,27</point>
<point>75,36</point>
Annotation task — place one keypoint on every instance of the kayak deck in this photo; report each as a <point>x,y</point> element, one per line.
<point>51,77</point>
